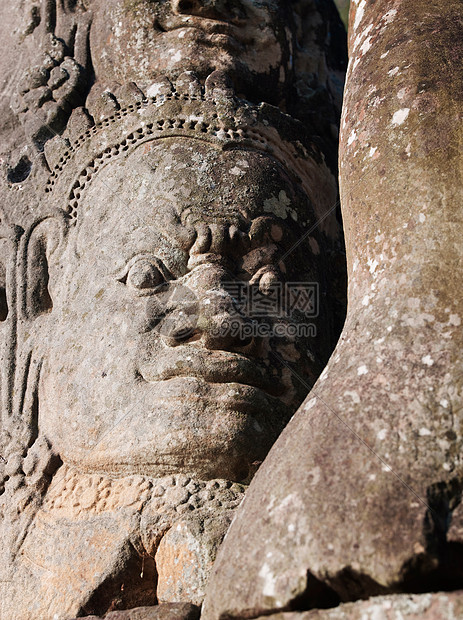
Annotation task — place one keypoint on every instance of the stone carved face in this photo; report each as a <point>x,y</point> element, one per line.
<point>140,39</point>
<point>138,376</point>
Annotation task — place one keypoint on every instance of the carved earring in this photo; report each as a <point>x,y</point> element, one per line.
<point>38,295</point>
<point>44,240</point>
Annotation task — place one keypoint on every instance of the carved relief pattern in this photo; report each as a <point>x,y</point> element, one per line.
<point>75,495</point>
<point>49,91</point>
<point>77,121</point>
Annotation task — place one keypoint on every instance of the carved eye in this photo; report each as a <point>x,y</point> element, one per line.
<point>267,279</point>
<point>144,274</point>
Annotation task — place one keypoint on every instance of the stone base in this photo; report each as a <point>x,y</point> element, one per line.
<point>429,606</point>
<point>167,611</point>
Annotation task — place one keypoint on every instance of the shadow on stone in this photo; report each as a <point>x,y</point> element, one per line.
<point>134,585</point>
<point>426,573</point>
<point>317,595</point>
<point>21,171</point>
<point>423,573</point>
<point>3,304</point>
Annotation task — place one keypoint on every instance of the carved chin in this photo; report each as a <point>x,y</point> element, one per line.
<point>180,426</point>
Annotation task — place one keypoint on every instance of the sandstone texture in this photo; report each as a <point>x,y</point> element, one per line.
<point>430,606</point>
<point>167,611</point>
<point>288,54</point>
<point>171,283</point>
<point>361,494</point>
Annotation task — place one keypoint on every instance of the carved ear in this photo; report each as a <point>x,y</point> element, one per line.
<point>43,245</point>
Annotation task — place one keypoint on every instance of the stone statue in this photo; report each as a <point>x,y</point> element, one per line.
<point>170,284</point>
<point>362,491</point>
<point>137,395</point>
<point>290,54</point>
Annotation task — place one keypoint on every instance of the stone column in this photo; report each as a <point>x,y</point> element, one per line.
<point>361,493</point>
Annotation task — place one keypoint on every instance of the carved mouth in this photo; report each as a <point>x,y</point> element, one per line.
<point>214,32</point>
<point>205,24</point>
<point>214,368</point>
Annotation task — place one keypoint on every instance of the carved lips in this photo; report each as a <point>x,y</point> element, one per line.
<point>208,31</point>
<point>212,367</point>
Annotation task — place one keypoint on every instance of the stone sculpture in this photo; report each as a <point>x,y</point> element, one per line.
<point>141,221</point>
<point>362,492</point>
<point>288,54</point>
<point>137,344</point>
<point>57,80</point>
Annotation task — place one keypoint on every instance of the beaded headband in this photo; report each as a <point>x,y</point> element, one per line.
<point>211,113</point>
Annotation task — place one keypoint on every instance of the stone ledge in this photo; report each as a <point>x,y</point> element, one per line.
<point>429,606</point>
<point>166,611</point>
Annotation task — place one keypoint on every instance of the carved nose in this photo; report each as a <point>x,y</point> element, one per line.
<point>214,322</point>
<point>225,331</point>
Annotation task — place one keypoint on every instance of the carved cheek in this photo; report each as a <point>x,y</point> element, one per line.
<point>153,312</point>
<point>169,306</point>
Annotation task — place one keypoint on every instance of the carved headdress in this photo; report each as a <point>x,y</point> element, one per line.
<point>212,114</point>
<point>121,122</point>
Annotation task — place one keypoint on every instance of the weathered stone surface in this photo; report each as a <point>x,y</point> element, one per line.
<point>360,491</point>
<point>166,611</point>
<point>431,606</point>
<point>185,557</point>
<point>93,542</point>
<point>272,50</point>
<point>140,388</point>
<point>286,54</point>
<point>198,399</point>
